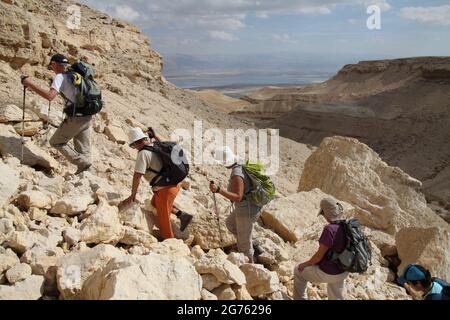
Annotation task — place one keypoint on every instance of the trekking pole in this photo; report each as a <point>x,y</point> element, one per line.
<point>48,115</point>
<point>23,115</point>
<point>218,217</point>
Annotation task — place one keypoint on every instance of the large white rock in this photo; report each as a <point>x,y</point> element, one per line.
<point>384,197</point>
<point>29,289</point>
<point>10,113</point>
<point>42,111</point>
<point>72,205</point>
<point>173,247</point>
<point>135,237</point>
<point>260,281</point>
<point>74,268</point>
<point>34,199</point>
<point>10,144</point>
<point>152,277</point>
<point>221,268</point>
<point>41,259</point>
<point>6,226</point>
<point>8,260</point>
<point>72,236</point>
<point>429,247</point>
<point>210,282</point>
<point>21,241</point>
<point>103,226</point>
<point>29,129</point>
<point>272,254</point>
<point>8,183</point>
<point>18,273</point>
<point>224,292</point>
<point>204,226</point>
<point>116,134</point>
<point>291,216</point>
<point>135,217</point>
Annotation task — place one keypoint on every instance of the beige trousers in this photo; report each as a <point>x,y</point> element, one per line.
<point>335,283</point>
<point>78,129</point>
<point>240,223</point>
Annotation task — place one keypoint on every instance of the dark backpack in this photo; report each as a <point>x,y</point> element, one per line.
<point>444,295</point>
<point>357,254</point>
<point>175,166</point>
<point>88,100</point>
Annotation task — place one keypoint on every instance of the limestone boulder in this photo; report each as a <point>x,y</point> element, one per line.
<point>33,156</point>
<point>29,128</point>
<point>272,254</point>
<point>151,277</point>
<point>136,217</point>
<point>237,258</point>
<point>41,259</point>
<point>8,183</point>
<point>384,197</point>
<point>241,292</point>
<point>103,226</point>
<point>6,226</point>
<point>210,282</point>
<point>33,199</point>
<point>29,289</point>
<point>8,259</point>
<point>260,281</point>
<point>18,273</point>
<point>135,237</point>
<point>21,241</point>
<point>292,216</point>
<point>204,226</point>
<point>225,271</point>
<point>116,134</point>
<point>41,110</point>
<point>10,113</point>
<point>72,236</point>
<point>224,292</point>
<point>206,295</point>
<point>429,247</point>
<point>72,205</point>
<point>75,267</point>
<point>173,247</point>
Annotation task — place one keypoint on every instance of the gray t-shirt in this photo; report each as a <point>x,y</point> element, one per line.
<point>238,170</point>
<point>62,84</point>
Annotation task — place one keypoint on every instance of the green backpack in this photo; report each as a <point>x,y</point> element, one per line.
<point>88,100</point>
<point>263,189</point>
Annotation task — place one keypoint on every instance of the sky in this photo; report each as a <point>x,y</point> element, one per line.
<point>326,28</point>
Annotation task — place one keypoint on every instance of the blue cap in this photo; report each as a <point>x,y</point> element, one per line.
<point>413,272</point>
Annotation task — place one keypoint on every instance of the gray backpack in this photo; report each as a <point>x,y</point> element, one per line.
<point>88,100</point>
<point>357,254</point>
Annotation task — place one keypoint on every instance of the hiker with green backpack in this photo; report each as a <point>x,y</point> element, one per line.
<point>249,190</point>
<point>82,96</point>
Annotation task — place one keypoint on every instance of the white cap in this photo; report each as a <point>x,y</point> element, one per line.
<point>224,156</point>
<point>136,134</point>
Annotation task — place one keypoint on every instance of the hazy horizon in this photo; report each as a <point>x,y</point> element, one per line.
<point>303,36</point>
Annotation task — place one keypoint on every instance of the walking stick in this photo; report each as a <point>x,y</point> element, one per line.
<point>23,115</point>
<point>218,217</point>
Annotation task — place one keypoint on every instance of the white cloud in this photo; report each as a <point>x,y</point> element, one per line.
<point>428,15</point>
<point>125,13</point>
<point>221,35</point>
<point>283,38</point>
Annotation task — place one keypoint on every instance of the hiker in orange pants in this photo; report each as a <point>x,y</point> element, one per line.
<point>149,165</point>
<point>163,202</point>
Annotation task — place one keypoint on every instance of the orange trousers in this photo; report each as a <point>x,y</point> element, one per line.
<point>163,200</point>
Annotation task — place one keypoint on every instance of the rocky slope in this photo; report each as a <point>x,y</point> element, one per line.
<point>62,236</point>
<point>400,108</point>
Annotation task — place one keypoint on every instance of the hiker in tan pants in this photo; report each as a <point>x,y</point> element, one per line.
<point>75,126</point>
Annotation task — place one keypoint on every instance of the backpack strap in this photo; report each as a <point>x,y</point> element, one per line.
<point>158,173</point>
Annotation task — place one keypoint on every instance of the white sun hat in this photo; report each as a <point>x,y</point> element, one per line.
<point>225,156</point>
<point>136,134</point>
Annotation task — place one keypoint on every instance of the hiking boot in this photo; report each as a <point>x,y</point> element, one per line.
<point>185,219</point>
<point>257,250</point>
<point>83,168</point>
